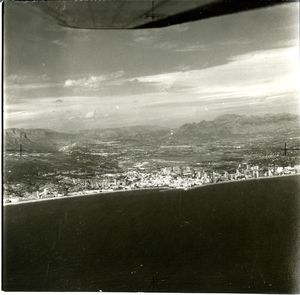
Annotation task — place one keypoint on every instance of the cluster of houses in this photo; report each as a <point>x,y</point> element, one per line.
<point>167,177</point>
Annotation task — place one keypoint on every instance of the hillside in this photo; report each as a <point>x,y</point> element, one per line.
<point>223,127</point>
<point>39,140</point>
<point>231,126</point>
<point>139,134</point>
<point>231,237</point>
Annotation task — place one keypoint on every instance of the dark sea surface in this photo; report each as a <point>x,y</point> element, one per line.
<point>230,237</point>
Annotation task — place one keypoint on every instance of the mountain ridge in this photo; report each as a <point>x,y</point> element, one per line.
<point>224,126</point>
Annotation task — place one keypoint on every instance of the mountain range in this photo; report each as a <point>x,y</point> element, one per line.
<point>223,127</point>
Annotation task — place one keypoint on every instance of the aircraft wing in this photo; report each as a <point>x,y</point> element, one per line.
<point>138,14</point>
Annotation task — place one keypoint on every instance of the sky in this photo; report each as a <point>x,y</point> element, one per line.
<point>68,79</point>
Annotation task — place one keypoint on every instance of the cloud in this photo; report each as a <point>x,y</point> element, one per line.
<point>90,82</point>
<point>157,40</point>
<point>236,42</point>
<point>259,80</point>
<point>154,40</point>
<point>173,45</point>
<point>258,73</point>
<point>288,43</point>
<point>181,27</point>
<point>193,47</point>
<point>93,81</point>
<point>28,82</point>
<point>14,78</point>
<point>59,43</point>
<point>146,37</point>
<point>31,86</point>
<point>90,114</point>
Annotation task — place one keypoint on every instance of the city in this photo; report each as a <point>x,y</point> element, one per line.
<point>175,177</point>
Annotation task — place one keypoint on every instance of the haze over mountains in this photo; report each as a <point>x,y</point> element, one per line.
<point>223,127</point>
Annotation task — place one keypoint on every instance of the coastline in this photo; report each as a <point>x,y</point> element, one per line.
<point>85,195</point>
<point>159,189</point>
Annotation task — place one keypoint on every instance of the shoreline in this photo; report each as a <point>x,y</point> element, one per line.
<point>85,195</point>
<point>160,189</point>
